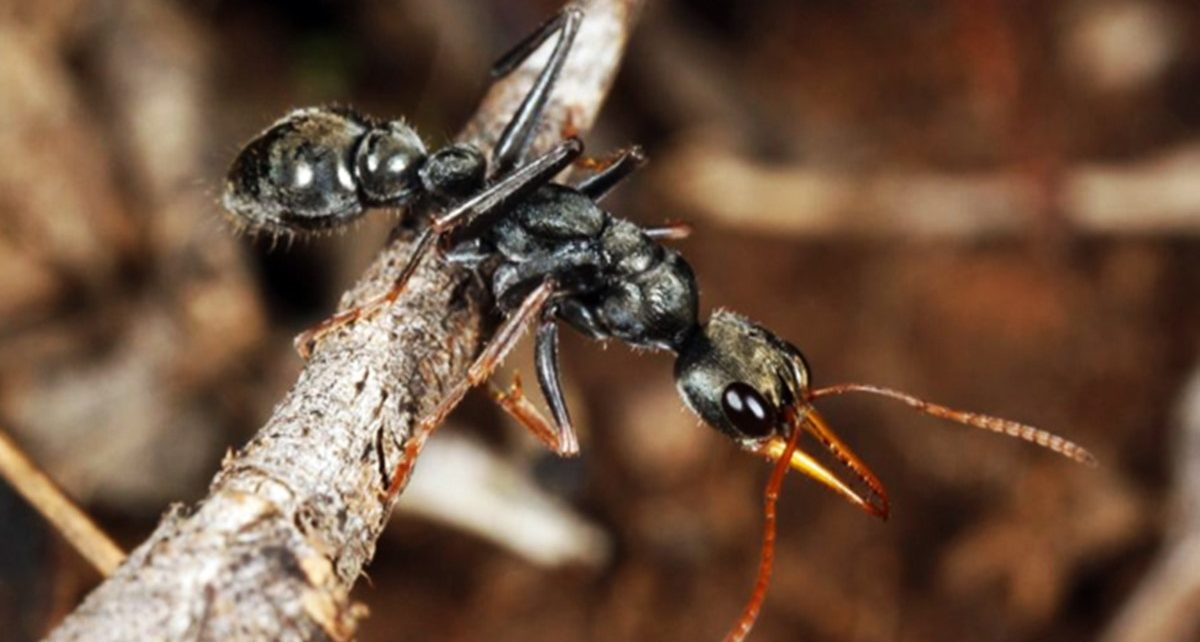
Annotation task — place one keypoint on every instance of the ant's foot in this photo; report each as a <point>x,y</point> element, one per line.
<point>306,342</point>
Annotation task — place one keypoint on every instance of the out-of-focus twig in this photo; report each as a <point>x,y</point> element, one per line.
<point>468,487</point>
<point>1164,606</point>
<point>1158,195</point>
<point>292,518</point>
<point>57,508</point>
<point>166,296</point>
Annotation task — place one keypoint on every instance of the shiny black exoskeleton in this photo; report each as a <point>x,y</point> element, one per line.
<point>612,280</point>
<point>548,251</point>
<point>320,168</point>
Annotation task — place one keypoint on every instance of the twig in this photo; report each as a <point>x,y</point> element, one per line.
<point>291,519</point>
<point>1163,608</point>
<point>55,506</point>
<point>467,486</point>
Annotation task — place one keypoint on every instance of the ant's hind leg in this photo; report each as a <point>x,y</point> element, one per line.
<point>598,185</point>
<point>485,364</point>
<point>518,134</point>
<point>480,209</point>
<point>307,341</point>
<point>483,208</point>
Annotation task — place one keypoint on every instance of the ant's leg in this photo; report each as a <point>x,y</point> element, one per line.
<point>514,402</point>
<point>546,353</point>
<point>493,354</point>
<point>514,141</point>
<point>598,185</point>
<point>307,341</point>
<point>668,231</point>
<point>481,208</point>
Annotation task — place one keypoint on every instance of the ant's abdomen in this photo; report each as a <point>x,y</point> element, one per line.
<point>320,168</point>
<point>298,175</point>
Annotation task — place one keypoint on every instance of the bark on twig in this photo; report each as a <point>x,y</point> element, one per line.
<point>57,508</point>
<point>292,518</point>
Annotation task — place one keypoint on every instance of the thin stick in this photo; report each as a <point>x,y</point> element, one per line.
<point>1021,431</point>
<point>293,516</point>
<point>771,496</point>
<point>55,506</point>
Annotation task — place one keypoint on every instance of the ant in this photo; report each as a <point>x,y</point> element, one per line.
<point>550,253</point>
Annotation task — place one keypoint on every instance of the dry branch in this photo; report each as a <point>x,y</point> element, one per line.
<point>1164,606</point>
<point>57,508</point>
<point>292,518</point>
<point>467,486</point>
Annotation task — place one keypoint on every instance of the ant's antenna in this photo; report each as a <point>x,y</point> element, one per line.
<point>1021,431</point>
<point>771,496</point>
<point>1008,427</point>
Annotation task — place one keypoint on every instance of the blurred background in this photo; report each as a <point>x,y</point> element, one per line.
<point>992,204</point>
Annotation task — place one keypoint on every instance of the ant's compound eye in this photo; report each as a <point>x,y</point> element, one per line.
<point>387,161</point>
<point>297,175</point>
<point>750,413</point>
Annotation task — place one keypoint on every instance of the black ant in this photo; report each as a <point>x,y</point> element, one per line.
<point>550,254</point>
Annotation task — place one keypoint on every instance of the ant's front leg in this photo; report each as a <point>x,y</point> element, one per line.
<point>514,402</point>
<point>546,356</point>
<point>558,436</point>
<point>474,213</point>
<point>481,370</point>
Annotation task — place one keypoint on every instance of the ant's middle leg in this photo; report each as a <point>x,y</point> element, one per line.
<point>598,185</point>
<point>479,210</point>
<point>551,381</point>
<point>493,355</point>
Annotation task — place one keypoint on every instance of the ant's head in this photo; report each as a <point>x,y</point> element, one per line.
<point>318,168</point>
<point>753,386</point>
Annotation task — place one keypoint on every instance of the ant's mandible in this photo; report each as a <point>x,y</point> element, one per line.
<point>550,253</point>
